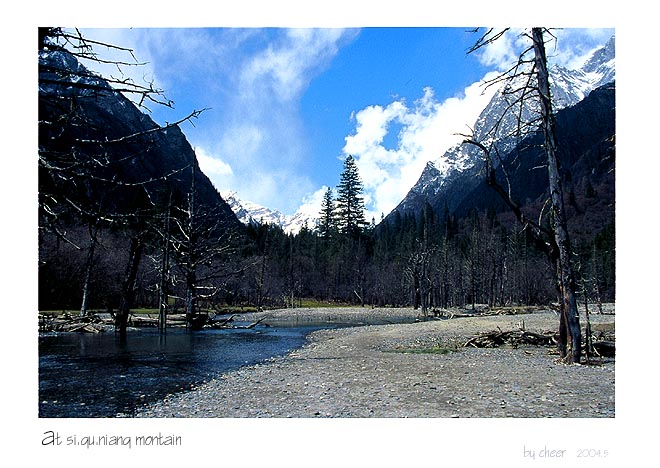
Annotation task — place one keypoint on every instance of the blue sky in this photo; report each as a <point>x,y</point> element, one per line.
<point>285,106</point>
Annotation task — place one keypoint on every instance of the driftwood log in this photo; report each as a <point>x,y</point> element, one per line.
<point>220,323</point>
<point>605,348</point>
<point>251,325</point>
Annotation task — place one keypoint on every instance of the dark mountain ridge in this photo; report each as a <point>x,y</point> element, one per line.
<point>586,135</point>
<point>499,125</point>
<point>112,185</point>
<point>93,139</point>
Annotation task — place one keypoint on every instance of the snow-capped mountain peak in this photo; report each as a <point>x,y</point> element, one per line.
<point>571,86</point>
<point>498,122</point>
<point>251,213</point>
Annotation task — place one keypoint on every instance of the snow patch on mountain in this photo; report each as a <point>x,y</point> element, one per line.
<point>569,86</point>
<point>251,213</point>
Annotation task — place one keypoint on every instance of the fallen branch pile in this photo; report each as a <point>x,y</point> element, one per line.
<point>513,338</point>
<point>93,323</point>
<point>69,323</point>
<point>482,312</point>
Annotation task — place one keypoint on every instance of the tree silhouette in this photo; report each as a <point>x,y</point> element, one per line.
<point>327,216</point>
<point>350,204</point>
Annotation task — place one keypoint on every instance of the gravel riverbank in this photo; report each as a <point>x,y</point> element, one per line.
<point>387,370</point>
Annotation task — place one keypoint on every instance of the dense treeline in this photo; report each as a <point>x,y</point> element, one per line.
<point>426,262</point>
<point>434,260</point>
<point>431,261</point>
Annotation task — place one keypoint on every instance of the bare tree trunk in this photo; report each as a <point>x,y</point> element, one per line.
<point>89,264</point>
<point>292,280</point>
<point>417,299</point>
<point>260,284</point>
<point>191,248</point>
<point>599,301</point>
<point>164,271</point>
<point>589,346</point>
<point>190,296</point>
<point>566,275</point>
<point>128,287</point>
<point>262,275</point>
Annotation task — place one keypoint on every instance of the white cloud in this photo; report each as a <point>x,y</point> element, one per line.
<point>574,46</point>
<point>262,134</point>
<point>212,165</point>
<point>503,52</point>
<point>372,123</point>
<point>244,140</point>
<point>426,129</point>
<point>287,65</point>
<point>311,203</point>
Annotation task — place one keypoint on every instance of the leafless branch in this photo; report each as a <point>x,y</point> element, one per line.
<point>492,182</point>
<point>487,38</point>
<point>193,115</point>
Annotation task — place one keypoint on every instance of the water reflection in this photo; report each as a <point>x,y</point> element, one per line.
<point>101,375</point>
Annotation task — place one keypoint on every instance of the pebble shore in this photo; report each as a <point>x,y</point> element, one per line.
<point>385,371</point>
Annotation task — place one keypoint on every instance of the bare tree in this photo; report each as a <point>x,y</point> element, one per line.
<point>163,295</point>
<point>528,80</point>
<point>201,237</point>
<point>81,159</point>
<point>136,248</point>
<point>73,43</point>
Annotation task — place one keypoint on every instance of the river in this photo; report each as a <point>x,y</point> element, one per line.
<point>98,375</point>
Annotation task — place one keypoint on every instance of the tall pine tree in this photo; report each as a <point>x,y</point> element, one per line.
<point>327,216</point>
<point>350,204</point>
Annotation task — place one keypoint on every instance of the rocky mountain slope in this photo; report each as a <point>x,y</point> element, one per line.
<point>569,87</point>
<point>97,148</point>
